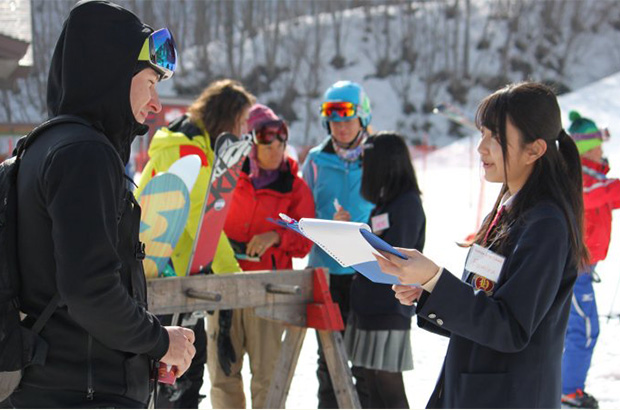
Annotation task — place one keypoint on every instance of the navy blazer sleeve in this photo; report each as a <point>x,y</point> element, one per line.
<point>428,325</point>
<point>525,292</point>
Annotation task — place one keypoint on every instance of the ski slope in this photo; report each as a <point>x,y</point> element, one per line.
<point>450,182</point>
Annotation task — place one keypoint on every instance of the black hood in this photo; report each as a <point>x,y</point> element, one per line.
<point>92,67</point>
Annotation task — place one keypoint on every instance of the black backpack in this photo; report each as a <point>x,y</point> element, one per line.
<point>20,347</point>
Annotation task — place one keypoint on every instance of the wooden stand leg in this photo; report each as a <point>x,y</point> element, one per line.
<point>342,379</point>
<point>285,368</point>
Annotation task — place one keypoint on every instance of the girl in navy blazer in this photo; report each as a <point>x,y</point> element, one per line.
<point>507,317</point>
<point>378,333</point>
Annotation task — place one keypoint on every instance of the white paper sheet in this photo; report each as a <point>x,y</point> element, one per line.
<point>341,240</point>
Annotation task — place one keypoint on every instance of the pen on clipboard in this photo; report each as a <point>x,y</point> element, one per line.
<point>286,218</point>
<point>337,205</point>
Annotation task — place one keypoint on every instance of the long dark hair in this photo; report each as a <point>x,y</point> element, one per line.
<point>533,109</point>
<point>388,171</point>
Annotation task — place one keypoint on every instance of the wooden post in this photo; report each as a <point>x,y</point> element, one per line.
<point>339,371</point>
<point>285,367</point>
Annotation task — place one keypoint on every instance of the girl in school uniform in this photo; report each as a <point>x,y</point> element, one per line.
<point>507,317</point>
<point>377,336</point>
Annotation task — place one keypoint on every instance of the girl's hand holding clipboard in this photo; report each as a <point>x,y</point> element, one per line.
<point>417,268</point>
<point>406,294</point>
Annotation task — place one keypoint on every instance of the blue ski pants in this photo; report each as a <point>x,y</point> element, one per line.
<point>581,335</point>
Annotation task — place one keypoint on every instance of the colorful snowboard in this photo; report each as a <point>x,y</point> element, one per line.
<point>230,153</point>
<point>165,207</point>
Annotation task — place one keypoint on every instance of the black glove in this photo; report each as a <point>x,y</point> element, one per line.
<point>225,351</point>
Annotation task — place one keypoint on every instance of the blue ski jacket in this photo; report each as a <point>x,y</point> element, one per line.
<point>330,177</point>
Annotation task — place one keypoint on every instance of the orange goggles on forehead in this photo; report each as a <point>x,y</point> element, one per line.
<point>338,110</point>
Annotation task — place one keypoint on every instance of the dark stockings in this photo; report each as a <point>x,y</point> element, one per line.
<point>386,389</point>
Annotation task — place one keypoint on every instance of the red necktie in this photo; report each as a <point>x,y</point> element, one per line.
<point>493,223</point>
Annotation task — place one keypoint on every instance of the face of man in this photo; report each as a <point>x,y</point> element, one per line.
<point>345,132</point>
<point>143,94</point>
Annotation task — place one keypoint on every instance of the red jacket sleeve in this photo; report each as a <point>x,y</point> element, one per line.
<point>601,193</point>
<point>302,206</point>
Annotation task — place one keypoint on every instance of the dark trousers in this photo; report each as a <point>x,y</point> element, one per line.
<point>340,289</point>
<point>186,392</point>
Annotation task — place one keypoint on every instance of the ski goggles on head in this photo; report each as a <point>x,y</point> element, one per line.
<point>338,111</point>
<point>159,49</point>
<point>270,131</point>
<point>602,134</point>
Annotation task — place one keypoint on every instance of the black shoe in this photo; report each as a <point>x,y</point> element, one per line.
<point>579,400</point>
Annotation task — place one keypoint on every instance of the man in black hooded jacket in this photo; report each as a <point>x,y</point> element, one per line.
<point>78,223</point>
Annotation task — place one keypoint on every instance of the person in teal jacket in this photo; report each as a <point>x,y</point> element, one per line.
<point>333,171</point>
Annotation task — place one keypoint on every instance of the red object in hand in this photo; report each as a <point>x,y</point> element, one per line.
<point>166,374</point>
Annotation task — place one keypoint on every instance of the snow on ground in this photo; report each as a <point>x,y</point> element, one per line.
<point>450,181</point>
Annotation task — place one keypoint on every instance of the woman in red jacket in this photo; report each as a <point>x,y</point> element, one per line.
<point>268,185</point>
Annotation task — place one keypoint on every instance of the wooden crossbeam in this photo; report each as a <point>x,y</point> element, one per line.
<point>230,291</point>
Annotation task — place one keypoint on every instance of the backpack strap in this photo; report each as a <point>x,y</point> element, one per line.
<point>26,141</point>
<point>22,144</point>
<point>46,314</point>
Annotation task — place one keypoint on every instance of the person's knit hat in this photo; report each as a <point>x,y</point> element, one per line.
<point>259,115</point>
<point>584,132</point>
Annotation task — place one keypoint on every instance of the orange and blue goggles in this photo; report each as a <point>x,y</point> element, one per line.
<point>271,131</point>
<point>338,111</point>
<point>159,49</point>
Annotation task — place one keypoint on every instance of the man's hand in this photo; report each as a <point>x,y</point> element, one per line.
<point>181,349</point>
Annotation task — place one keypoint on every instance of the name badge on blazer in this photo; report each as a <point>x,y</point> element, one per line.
<point>380,223</point>
<point>485,266</point>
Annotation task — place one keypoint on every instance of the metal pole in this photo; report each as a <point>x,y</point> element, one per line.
<point>613,300</point>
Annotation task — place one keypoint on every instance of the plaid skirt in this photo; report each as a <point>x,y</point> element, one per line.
<point>387,350</point>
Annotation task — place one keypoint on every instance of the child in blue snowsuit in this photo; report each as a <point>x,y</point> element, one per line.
<point>600,196</point>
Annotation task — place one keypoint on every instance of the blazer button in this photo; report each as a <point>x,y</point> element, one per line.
<point>432,316</point>
<point>440,322</point>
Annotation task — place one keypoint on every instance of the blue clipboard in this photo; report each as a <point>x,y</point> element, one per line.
<point>369,269</point>
<point>379,244</point>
